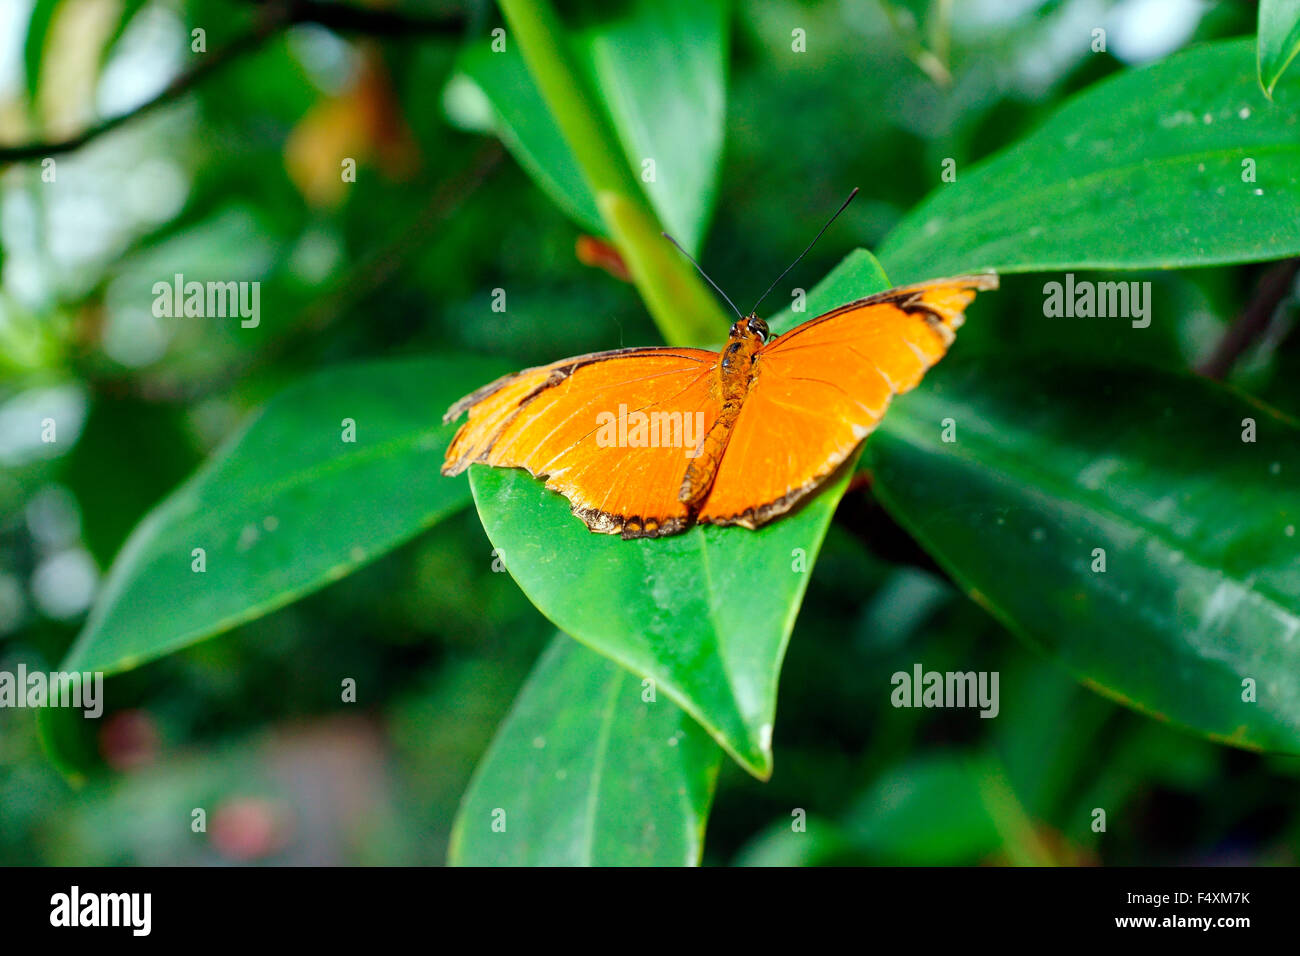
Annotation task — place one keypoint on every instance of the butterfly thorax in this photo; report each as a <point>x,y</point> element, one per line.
<point>736,370</point>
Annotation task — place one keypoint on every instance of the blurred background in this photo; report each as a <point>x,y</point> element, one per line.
<point>237,175</point>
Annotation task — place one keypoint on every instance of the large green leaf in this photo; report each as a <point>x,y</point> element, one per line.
<point>525,126</point>
<point>661,73</point>
<point>706,613</point>
<point>1054,465</point>
<point>284,508</point>
<point>858,274</point>
<point>586,771</point>
<point>1279,39</point>
<point>1146,169</point>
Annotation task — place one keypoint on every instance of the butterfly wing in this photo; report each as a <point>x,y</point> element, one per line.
<point>822,387</point>
<point>557,421</point>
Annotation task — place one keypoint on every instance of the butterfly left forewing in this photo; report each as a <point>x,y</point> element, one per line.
<point>555,421</point>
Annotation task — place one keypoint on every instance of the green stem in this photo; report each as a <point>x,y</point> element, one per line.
<point>932,65</point>
<point>1021,842</point>
<point>678,301</point>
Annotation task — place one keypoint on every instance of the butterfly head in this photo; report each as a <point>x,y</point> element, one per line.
<point>751,327</point>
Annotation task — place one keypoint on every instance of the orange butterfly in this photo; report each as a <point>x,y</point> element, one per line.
<point>645,442</point>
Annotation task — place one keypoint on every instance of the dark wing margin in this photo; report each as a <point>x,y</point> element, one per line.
<point>909,299</point>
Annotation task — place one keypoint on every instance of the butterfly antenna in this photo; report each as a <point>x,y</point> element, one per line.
<point>843,206</point>
<point>703,273</point>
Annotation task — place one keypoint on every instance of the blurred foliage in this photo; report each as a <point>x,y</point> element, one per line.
<point>238,177</point>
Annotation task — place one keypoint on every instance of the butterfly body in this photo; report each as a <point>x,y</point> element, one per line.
<point>611,431</point>
<point>737,368</point>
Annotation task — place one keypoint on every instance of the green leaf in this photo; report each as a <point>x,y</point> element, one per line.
<point>678,300</point>
<point>38,29</point>
<point>858,274</point>
<point>706,613</point>
<point>1279,40</point>
<point>284,508</point>
<point>686,311</point>
<point>661,73</point>
<point>69,739</point>
<point>526,127</point>
<point>943,809</point>
<point>1058,467</point>
<point>38,33</point>
<point>780,845</point>
<point>125,15</point>
<point>931,811</point>
<point>583,772</point>
<point>1146,169</point>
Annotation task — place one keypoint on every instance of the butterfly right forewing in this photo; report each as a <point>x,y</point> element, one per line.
<point>821,388</point>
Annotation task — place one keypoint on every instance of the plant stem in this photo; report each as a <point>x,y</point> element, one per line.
<point>1274,287</point>
<point>680,304</point>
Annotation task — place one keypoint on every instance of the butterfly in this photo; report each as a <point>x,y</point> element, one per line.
<point>744,434</point>
<point>646,442</point>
